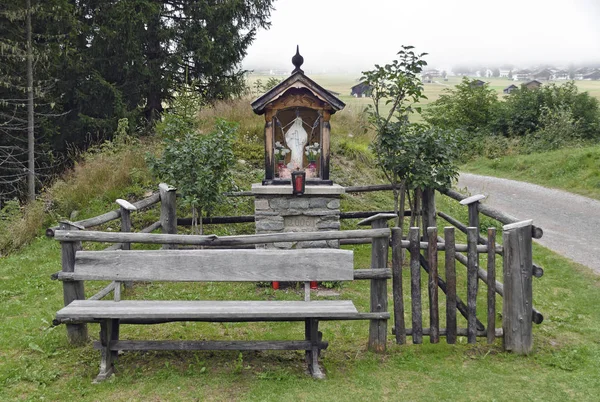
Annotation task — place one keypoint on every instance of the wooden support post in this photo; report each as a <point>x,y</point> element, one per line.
<point>397,254</point>
<point>168,211</point>
<point>434,316</point>
<point>450,285</point>
<point>107,356</point>
<point>491,284</point>
<point>270,128</point>
<point>379,259</point>
<point>415,285</point>
<point>72,290</point>
<point>472,283</point>
<point>518,293</point>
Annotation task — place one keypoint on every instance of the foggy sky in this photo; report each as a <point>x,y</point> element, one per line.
<point>352,35</point>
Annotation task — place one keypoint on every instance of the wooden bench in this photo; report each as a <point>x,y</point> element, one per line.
<point>230,265</point>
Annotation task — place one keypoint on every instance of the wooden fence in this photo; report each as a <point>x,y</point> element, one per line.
<point>420,250</point>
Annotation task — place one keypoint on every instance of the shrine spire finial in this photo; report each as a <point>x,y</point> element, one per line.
<point>297,61</point>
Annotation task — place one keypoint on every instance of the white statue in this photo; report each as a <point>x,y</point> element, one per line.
<point>295,139</point>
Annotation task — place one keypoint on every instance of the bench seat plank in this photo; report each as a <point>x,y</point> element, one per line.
<point>91,310</point>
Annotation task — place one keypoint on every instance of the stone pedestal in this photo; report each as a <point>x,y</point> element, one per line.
<point>277,210</point>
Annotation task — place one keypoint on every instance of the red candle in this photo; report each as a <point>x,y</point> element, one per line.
<point>275,285</point>
<point>313,284</point>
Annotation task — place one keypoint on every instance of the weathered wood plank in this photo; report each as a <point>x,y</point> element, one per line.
<point>398,298</point>
<point>213,240</point>
<point>216,265</point>
<point>432,258</point>
<point>491,288</point>
<point>210,345</point>
<point>266,318</point>
<point>451,297</point>
<point>415,285</point>
<point>472,283</point>
<point>190,310</point>
<point>517,303</point>
<point>379,299</point>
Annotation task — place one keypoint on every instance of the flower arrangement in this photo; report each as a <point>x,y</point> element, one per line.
<point>280,151</point>
<point>312,151</point>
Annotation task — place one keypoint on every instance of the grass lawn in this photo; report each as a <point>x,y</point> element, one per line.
<point>572,169</point>
<point>36,361</point>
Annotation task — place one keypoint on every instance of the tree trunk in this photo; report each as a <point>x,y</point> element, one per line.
<point>154,108</point>
<point>30,121</point>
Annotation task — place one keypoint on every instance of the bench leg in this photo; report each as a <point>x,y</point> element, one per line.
<point>312,356</point>
<point>106,362</point>
<point>115,337</point>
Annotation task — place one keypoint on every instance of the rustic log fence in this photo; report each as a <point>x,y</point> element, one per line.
<point>418,249</point>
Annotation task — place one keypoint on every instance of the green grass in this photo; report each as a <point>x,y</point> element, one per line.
<point>572,169</point>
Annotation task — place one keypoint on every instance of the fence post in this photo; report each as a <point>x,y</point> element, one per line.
<point>473,204</point>
<point>168,211</point>
<point>379,302</point>
<point>126,209</point>
<point>72,290</point>
<point>398,298</point>
<point>429,217</point>
<point>517,307</point>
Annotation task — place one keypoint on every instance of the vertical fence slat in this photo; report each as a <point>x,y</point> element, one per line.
<point>415,285</point>
<point>379,300</point>
<point>472,265</point>
<point>450,285</point>
<point>397,254</point>
<point>517,308</point>
<point>434,315</point>
<point>491,286</point>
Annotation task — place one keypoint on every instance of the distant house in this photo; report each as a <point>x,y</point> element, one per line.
<point>594,75</point>
<point>361,90</point>
<point>559,75</point>
<point>582,72</point>
<point>510,88</point>
<point>534,84</point>
<point>544,74</point>
<point>504,73</point>
<point>521,75</point>
<point>432,72</point>
<point>476,83</point>
<point>427,78</point>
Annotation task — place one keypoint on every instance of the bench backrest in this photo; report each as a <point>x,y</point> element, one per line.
<point>215,265</point>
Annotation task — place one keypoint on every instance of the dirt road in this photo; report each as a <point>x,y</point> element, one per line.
<point>571,222</point>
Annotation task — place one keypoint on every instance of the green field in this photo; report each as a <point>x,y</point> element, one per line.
<point>342,83</point>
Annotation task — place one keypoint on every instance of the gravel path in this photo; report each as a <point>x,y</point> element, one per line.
<point>571,223</point>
